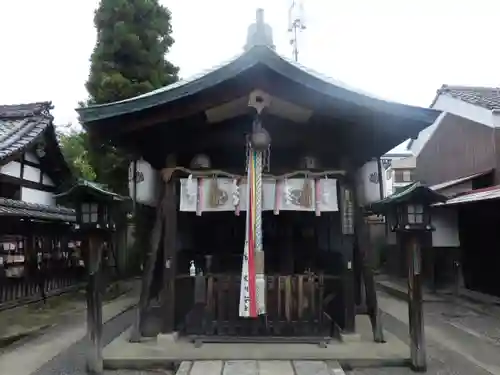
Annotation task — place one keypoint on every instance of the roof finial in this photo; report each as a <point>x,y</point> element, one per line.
<point>259,32</point>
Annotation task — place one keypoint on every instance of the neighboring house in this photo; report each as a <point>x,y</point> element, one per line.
<point>32,166</point>
<point>34,232</point>
<point>459,155</point>
<point>462,141</point>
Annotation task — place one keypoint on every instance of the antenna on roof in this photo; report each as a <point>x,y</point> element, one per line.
<point>296,24</point>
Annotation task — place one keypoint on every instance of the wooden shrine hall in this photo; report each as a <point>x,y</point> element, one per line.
<point>251,169</point>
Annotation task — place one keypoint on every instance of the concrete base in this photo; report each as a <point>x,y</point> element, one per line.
<point>350,337</point>
<point>167,351</point>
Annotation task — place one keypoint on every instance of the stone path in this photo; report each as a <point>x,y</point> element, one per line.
<point>260,368</point>
<point>33,355</point>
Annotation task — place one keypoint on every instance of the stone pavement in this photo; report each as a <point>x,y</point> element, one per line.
<point>259,368</point>
<point>458,340</point>
<point>30,319</point>
<point>27,358</point>
<point>473,300</point>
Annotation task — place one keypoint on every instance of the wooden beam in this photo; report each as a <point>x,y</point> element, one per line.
<point>25,183</point>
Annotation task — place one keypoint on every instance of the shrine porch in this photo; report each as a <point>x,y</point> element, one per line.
<point>171,349</point>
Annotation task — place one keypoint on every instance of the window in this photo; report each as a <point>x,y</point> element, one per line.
<point>403,175</point>
<point>406,176</point>
<point>90,212</point>
<point>415,214</point>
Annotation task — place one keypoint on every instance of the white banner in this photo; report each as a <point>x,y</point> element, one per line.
<point>289,195</point>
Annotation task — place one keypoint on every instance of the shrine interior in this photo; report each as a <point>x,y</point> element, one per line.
<point>294,242</point>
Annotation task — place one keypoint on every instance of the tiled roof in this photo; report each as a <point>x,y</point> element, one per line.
<point>11,207</point>
<point>450,183</point>
<point>489,193</point>
<point>416,190</point>
<point>20,126</point>
<point>486,97</point>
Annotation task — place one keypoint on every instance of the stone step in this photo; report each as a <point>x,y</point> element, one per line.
<point>245,367</point>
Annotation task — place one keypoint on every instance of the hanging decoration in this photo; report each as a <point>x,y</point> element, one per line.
<point>236,196</point>
<point>252,293</point>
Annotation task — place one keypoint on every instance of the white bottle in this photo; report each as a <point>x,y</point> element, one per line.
<point>192,269</point>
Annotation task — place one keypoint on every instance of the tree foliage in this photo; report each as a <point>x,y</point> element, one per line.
<point>133,37</point>
<point>74,146</point>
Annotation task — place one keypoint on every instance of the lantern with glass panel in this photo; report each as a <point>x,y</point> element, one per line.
<point>408,216</point>
<point>92,213</point>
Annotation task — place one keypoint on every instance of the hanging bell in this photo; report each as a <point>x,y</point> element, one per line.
<point>260,140</point>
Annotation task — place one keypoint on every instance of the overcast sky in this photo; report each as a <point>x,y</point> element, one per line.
<point>402,50</point>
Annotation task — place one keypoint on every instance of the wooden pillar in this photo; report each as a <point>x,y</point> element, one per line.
<point>348,277</point>
<point>367,275</point>
<point>148,271</point>
<point>94,304</point>
<point>169,256</point>
<point>415,310</point>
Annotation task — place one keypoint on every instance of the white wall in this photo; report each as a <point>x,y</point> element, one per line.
<point>32,174</point>
<point>460,108</point>
<point>12,169</point>
<point>31,157</point>
<point>445,221</point>
<point>37,196</point>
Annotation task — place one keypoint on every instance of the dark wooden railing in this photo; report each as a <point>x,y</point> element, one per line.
<point>20,289</point>
<point>297,305</point>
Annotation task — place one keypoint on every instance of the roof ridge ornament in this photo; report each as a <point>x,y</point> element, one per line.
<point>259,33</point>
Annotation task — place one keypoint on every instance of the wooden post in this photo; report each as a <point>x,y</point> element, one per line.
<point>147,276</point>
<point>415,311</point>
<point>170,256</point>
<point>368,278</point>
<point>94,305</point>
<point>348,290</point>
<point>348,217</point>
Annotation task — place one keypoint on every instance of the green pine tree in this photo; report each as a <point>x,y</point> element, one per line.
<point>133,37</point>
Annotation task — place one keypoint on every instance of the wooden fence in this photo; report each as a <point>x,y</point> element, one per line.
<point>297,305</point>
<point>19,289</point>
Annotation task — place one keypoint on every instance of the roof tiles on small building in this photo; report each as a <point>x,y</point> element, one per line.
<point>15,208</point>
<point>21,125</point>
<point>489,193</point>
<point>486,97</point>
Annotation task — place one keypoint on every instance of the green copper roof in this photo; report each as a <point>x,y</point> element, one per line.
<point>265,57</point>
<point>416,192</point>
<point>89,187</point>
